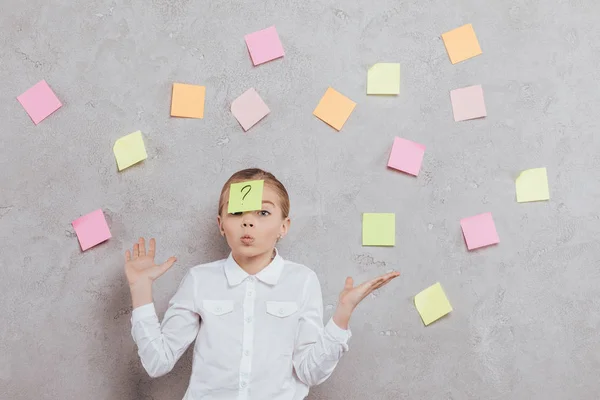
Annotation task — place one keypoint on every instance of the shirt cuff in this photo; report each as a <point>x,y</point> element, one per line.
<point>339,334</point>
<point>141,312</point>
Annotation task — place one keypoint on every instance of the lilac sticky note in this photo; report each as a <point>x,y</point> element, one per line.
<point>467,103</point>
<point>406,156</point>
<point>91,229</point>
<point>249,108</point>
<point>264,45</point>
<point>39,101</point>
<point>479,231</point>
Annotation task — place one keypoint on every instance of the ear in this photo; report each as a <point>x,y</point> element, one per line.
<point>220,224</point>
<point>285,227</point>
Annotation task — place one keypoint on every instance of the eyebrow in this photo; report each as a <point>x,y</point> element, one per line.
<point>270,202</point>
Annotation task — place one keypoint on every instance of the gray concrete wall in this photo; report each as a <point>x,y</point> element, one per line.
<point>526,312</point>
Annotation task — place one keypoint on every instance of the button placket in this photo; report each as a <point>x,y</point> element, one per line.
<point>248,337</point>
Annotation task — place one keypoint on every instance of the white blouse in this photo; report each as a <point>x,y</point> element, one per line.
<point>258,337</point>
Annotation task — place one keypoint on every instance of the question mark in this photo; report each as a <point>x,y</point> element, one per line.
<point>246,194</point>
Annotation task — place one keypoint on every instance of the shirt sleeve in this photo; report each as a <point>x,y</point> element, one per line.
<point>161,345</point>
<point>318,348</point>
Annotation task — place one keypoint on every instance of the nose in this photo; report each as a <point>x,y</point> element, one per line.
<point>247,221</point>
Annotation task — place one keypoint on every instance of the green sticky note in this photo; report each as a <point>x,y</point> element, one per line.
<point>129,150</point>
<point>432,304</point>
<point>379,229</point>
<point>532,185</point>
<point>384,78</point>
<point>245,196</point>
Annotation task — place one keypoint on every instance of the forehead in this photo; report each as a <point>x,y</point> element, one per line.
<point>269,194</point>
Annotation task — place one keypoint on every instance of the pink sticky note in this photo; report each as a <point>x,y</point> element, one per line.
<point>249,108</point>
<point>406,156</point>
<point>91,229</point>
<point>264,45</point>
<point>479,231</point>
<point>39,101</point>
<point>467,103</point>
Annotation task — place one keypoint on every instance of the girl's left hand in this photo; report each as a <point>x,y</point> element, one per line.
<point>352,295</point>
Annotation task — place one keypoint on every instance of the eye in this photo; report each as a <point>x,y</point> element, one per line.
<point>236,213</point>
<point>264,213</point>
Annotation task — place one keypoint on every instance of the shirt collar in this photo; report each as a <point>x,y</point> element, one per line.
<point>269,274</point>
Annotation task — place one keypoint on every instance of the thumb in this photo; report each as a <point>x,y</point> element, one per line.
<point>349,283</point>
<point>161,269</point>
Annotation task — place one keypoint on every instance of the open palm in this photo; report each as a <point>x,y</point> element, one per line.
<point>352,295</point>
<point>140,266</point>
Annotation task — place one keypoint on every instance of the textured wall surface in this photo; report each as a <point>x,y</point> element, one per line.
<point>526,312</point>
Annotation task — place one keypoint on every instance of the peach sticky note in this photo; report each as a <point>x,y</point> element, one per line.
<point>379,229</point>
<point>479,231</point>
<point>39,102</point>
<point>461,43</point>
<point>384,79</point>
<point>532,185</point>
<point>468,103</point>
<point>249,108</point>
<point>432,304</point>
<point>188,101</point>
<point>129,150</point>
<point>91,229</point>
<point>406,156</point>
<point>334,109</point>
<point>264,45</point>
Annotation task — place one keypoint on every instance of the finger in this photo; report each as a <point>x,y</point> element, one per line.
<point>152,248</point>
<point>349,284</point>
<point>136,251</point>
<point>142,247</point>
<point>384,282</point>
<point>165,266</point>
<point>127,256</point>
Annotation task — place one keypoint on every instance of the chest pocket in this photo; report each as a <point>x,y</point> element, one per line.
<point>218,307</point>
<point>281,309</point>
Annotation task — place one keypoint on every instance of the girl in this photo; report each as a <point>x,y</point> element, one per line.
<point>257,319</point>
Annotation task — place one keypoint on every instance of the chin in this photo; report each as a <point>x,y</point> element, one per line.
<point>248,250</point>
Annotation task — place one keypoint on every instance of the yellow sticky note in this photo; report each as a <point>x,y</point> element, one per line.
<point>461,43</point>
<point>532,185</point>
<point>334,109</point>
<point>245,196</point>
<point>129,150</point>
<point>188,101</point>
<point>384,78</point>
<point>432,304</point>
<point>379,229</point>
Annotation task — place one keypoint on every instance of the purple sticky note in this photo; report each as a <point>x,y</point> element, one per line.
<point>406,156</point>
<point>479,231</point>
<point>264,45</point>
<point>249,108</point>
<point>91,229</point>
<point>39,101</point>
<point>468,103</point>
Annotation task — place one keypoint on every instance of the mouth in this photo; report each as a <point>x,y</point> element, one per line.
<point>247,239</point>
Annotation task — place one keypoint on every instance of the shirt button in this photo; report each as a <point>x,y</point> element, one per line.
<point>246,352</point>
<point>281,311</point>
<point>248,319</point>
<point>218,309</point>
<point>250,293</point>
<point>243,384</point>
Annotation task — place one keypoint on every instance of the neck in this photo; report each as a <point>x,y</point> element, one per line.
<point>253,265</point>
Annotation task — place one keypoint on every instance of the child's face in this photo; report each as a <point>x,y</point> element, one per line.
<point>252,233</point>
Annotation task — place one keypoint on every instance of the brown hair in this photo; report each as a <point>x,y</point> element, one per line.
<point>254,174</point>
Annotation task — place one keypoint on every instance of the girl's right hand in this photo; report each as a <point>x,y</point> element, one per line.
<point>140,267</point>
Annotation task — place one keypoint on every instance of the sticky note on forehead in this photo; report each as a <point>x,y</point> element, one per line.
<point>245,196</point>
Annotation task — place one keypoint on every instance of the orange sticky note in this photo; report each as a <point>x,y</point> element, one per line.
<point>188,101</point>
<point>461,43</point>
<point>334,109</point>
